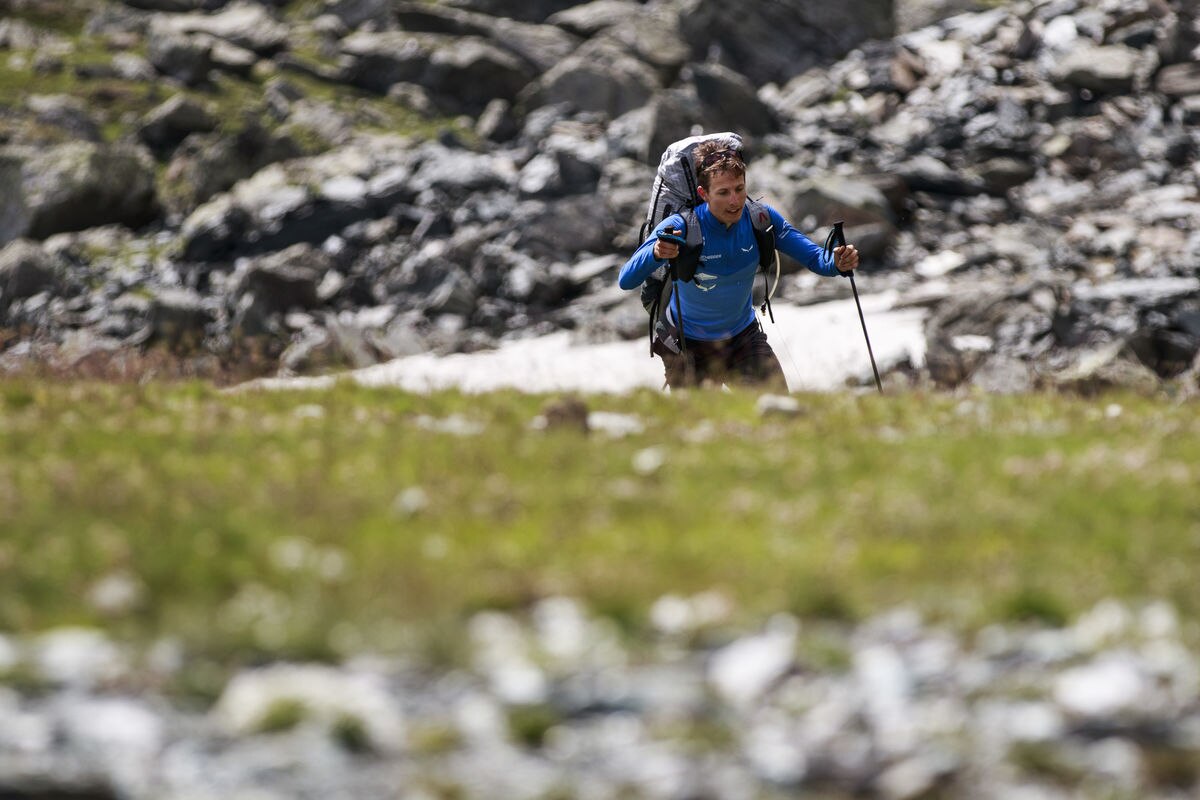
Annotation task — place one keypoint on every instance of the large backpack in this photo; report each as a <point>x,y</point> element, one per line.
<point>674,192</point>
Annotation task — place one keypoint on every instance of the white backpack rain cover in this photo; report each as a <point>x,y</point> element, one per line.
<point>674,187</point>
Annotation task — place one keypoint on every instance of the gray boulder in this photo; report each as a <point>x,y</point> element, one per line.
<point>473,72</point>
<point>25,270</point>
<point>67,113</point>
<point>204,165</point>
<point>1179,80</point>
<point>526,10</point>
<point>540,46</point>
<point>353,13</point>
<point>177,318</point>
<point>170,123</point>
<point>286,280</point>
<point>247,25</point>
<point>461,72</point>
<point>832,197</point>
<point>1004,375</point>
<point>775,40</point>
<point>455,173</point>
<point>574,219</point>
<point>74,186</point>
<point>671,115</point>
<point>730,102</point>
<point>600,77</point>
<point>925,173</point>
<point>569,162</point>
<point>588,19</point>
<point>229,57</point>
<point>187,59</point>
<point>1111,69</point>
<point>653,35</point>
<point>377,60</point>
<point>623,183</point>
<point>1110,367</point>
<point>176,6</point>
<point>304,200</point>
<point>1168,350</point>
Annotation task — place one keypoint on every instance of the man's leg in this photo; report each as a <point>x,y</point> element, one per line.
<point>752,360</point>
<point>678,370</point>
<point>692,367</point>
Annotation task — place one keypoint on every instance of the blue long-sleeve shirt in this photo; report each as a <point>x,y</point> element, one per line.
<point>717,304</point>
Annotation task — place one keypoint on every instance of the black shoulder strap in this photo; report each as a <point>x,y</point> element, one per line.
<point>689,254</point>
<point>764,237</point>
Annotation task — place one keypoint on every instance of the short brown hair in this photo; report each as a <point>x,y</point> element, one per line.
<point>714,157</point>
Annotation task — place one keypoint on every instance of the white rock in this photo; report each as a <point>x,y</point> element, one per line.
<point>410,501</point>
<point>117,593</point>
<point>614,424</point>
<point>911,778</point>
<point>742,671</point>
<point>78,657</point>
<point>480,718</point>
<point>502,656</point>
<point>1103,689</point>
<point>1004,721</point>
<point>327,694</point>
<point>649,461</point>
<point>1159,620</point>
<point>1119,761</point>
<point>882,675</point>
<point>972,343</point>
<point>562,628</point>
<point>1106,624</point>
<point>10,656</point>
<point>672,615</point>
<point>776,404</point>
<point>114,727</point>
<point>22,732</point>
<point>1060,33</point>
<point>344,188</point>
<point>775,751</point>
<point>939,264</point>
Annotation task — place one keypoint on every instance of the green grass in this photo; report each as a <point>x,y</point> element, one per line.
<point>308,524</point>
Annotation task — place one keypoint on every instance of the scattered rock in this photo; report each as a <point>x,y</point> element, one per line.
<point>552,695</point>
<point>569,413</point>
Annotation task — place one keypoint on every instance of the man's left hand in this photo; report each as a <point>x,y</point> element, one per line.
<point>845,258</point>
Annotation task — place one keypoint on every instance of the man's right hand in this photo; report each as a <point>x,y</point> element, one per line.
<point>664,249</point>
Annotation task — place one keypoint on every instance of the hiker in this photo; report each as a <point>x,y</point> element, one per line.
<point>722,341</point>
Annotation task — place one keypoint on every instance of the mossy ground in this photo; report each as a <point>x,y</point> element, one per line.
<point>80,68</point>
<point>310,524</point>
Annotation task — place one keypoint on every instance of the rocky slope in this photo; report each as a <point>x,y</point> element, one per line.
<point>225,189</point>
<point>551,704</point>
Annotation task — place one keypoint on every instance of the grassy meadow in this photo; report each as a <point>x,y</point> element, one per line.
<point>256,525</point>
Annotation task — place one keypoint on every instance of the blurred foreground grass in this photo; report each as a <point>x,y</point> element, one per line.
<point>313,524</point>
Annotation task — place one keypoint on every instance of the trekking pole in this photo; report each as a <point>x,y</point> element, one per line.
<point>838,239</point>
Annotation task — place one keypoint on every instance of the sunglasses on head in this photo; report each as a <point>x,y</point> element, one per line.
<point>714,158</point>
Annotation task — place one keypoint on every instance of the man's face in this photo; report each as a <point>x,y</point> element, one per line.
<point>726,196</point>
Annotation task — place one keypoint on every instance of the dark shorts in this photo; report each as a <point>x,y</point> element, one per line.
<point>745,358</point>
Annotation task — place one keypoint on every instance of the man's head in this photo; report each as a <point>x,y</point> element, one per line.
<point>721,175</point>
<point>715,157</point>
